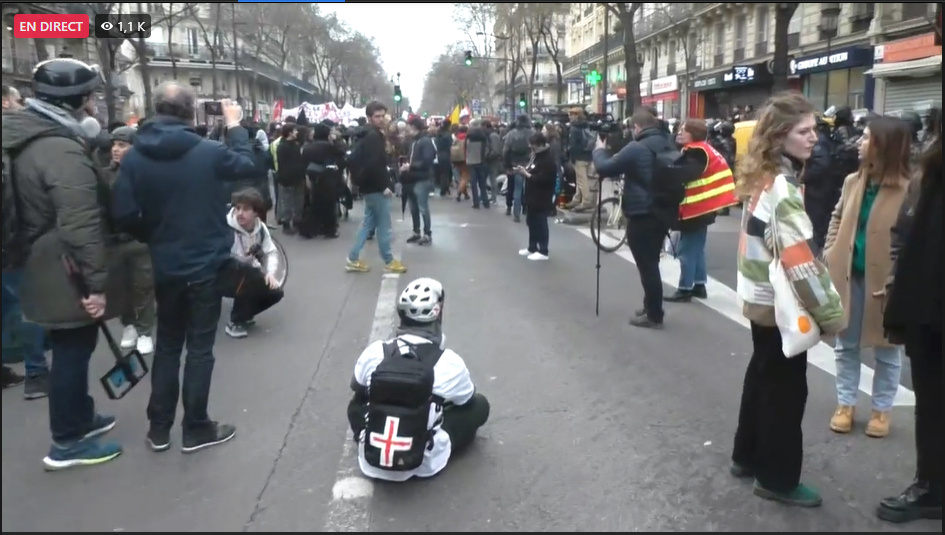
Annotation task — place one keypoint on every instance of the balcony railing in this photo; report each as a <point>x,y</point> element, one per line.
<point>671,68</point>
<point>718,60</point>
<point>761,49</point>
<point>662,19</point>
<point>738,55</point>
<point>794,40</point>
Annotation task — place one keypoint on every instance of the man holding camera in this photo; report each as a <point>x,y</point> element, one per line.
<point>581,143</point>
<point>646,224</point>
<point>170,194</point>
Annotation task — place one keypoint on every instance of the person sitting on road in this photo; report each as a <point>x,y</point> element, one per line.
<point>414,403</point>
<point>255,287</point>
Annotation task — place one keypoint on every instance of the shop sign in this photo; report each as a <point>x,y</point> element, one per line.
<point>843,58</point>
<point>740,75</point>
<point>918,47</point>
<point>665,85</point>
<point>644,89</point>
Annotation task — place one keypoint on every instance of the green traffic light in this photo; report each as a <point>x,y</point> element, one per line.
<point>521,104</point>
<point>468,62</point>
<point>396,98</point>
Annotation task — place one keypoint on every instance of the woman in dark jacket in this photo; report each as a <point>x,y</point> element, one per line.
<point>913,316</point>
<point>540,176</point>
<point>291,178</point>
<point>324,158</point>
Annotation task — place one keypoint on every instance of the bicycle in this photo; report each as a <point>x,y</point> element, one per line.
<point>610,215</point>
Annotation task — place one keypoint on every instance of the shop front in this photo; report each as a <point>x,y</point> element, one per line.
<point>717,95</point>
<point>910,71</point>
<point>664,96</point>
<point>617,100</point>
<point>836,77</point>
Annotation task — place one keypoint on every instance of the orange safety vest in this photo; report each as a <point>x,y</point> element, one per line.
<point>712,191</point>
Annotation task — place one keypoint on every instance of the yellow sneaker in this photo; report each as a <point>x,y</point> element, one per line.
<point>395,267</point>
<point>356,266</point>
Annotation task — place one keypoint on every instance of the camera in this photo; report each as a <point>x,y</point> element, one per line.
<point>603,124</point>
<point>213,108</point>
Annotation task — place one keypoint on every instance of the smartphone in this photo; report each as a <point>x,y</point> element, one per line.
<point>213,108</point>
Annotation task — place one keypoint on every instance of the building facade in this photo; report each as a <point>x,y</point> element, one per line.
<point>515,59</point>
<point>714,59</point>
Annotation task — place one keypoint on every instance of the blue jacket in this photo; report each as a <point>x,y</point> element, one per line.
<point>170,194</point>
<point>636,161</point>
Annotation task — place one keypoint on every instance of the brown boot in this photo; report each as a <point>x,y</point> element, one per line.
<point>842,420</point>
<point>878,427</point>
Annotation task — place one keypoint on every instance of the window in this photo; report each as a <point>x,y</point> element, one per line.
<point>193,41</point>
<point>741,29</point>
<point>795,25</point>
<point>857,88</point>
<point>761,24</point>
<point>671,55</point>
<point>719,38</point>
<point>817,89</point>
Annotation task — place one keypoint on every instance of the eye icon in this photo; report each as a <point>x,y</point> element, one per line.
<point>107,26</point>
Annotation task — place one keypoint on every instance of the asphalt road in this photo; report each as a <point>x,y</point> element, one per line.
<point>595,426</point>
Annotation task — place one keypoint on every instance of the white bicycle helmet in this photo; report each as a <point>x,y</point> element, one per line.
<point>422,300</point>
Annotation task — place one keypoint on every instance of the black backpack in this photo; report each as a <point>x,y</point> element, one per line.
<point>671,172</point>
<point>396,432</point>
<point>355,162</point>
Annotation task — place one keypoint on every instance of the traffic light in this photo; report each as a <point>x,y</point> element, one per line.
<point>397,95</point>
<point>522,101</point>
<point>468,58</point>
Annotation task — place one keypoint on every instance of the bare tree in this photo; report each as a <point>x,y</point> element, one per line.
<point>477,21</point>
<point>552,32</point>
<point>357,65</point>
<point>173,13</point>
<point>683,35</point>
<point>782,21</point>
<point>284,28</point>
<point>449,81</point>
<point>625,13</point>
<point>212,34</point>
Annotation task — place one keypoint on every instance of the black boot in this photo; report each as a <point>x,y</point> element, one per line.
<point>699,292</point>
<point>921,501</point>
<point>680,296</point>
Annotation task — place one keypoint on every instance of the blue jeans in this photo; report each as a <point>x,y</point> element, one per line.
<point>71,408</point>
<point>847,349</point>
<point>31,337</point>
<point>376,220</point>
<point>188,314</point>
<point>691,252</point>
<point>419,201</point>
<point>514,188</point>
<point>479,176</point>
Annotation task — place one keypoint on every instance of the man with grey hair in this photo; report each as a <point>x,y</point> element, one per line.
<point>170,193</point>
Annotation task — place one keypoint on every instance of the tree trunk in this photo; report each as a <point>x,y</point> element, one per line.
<point>782,20</point>
<point>252,94</point>
<point>141,50</point>
<point>560,89</point>
<point>631,66</point>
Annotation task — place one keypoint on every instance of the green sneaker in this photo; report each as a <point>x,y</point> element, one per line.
<point>801,496</point>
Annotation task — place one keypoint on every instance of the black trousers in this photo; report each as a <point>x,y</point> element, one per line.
<point>444,177</point>
<point>924,348</point>
<point>769,439</point>
<point>462,422</point>
<point>645,238</point>
<point>538,232</point>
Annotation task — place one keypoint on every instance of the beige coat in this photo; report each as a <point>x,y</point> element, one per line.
<point>838,251</point>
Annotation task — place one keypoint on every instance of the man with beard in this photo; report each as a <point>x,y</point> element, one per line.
<point>324,158</point>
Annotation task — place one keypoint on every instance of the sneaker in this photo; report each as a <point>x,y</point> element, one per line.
<point>645,322</point>
<point>425,240</point>
<point>801,496</point>
<point>395,266</point>
<point>356,266</point>
<point>524,252</point>
<point>11,378</point>
<point>145,345</point>
<point>159,438</point>
<point>101,424</point>
<point>413,239</point>
<point>85,452</point>
<point>236,330</point>
<point>36,387</point>
<point>206,437</point>
<point>129,337</point>
<point>537,257</point>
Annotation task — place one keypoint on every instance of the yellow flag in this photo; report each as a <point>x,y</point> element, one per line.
<point>454,115</point>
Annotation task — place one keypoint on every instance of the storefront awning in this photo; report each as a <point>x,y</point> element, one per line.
<point>917,68</point>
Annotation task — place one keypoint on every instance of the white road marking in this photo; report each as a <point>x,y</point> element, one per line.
<point>349,510</point>
<point>724,300</point>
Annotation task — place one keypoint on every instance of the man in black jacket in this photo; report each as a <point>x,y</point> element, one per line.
<point>646,225</point>
<point>372,176</point>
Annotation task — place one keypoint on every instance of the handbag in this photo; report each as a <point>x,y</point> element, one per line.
<point>799,331</point>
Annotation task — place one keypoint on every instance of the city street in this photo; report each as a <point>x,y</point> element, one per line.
<point>595,425</point>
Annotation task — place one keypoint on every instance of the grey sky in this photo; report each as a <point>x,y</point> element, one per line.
<point>409,36</point>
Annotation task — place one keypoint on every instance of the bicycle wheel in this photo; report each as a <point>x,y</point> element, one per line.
<point>282,273</point>
<point>613,222</point>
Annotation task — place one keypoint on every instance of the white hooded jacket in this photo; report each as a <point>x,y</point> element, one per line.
<point>267,258</point>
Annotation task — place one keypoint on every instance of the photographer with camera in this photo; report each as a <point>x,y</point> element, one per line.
<point>647,220</point>
<point>581,143</point>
